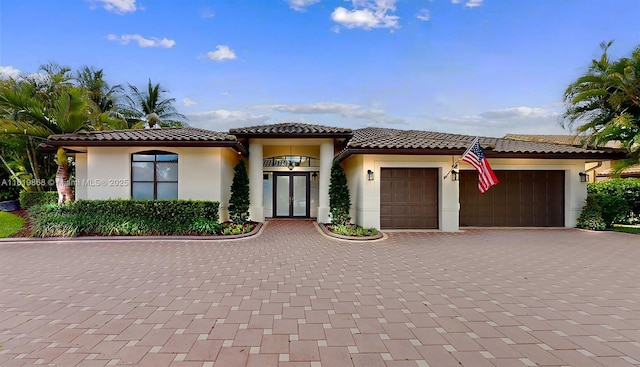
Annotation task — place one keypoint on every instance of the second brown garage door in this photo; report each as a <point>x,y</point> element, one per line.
<point>521,199</point>
<point>408,198</point>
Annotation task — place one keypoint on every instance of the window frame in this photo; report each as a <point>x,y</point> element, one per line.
<point>155,161</point>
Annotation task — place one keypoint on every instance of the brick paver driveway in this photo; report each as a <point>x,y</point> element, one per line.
<point>292,297</point>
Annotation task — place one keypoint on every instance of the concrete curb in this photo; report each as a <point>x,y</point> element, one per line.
<point>255,232</point>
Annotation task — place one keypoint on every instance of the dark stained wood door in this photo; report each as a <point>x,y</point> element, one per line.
<point>408,198</point>
<point>521,199</point>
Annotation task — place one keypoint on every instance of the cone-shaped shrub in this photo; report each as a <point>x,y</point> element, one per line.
<point>339,198</point>
<point>239,201</point>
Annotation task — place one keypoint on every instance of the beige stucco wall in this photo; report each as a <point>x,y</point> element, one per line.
<point>80,160</point>
<point>203,173</point>
<point>365,194</point>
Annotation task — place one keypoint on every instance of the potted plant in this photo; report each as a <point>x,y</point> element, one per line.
<point>8,201</point>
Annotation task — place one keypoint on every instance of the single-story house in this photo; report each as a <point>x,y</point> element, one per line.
<point>396,177</point>
<point>596,170</point>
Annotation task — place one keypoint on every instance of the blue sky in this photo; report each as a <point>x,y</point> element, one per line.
<point>478,67</point>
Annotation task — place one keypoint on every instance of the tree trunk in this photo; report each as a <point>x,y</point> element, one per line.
<point>62,183</point>
<point>62,178</point>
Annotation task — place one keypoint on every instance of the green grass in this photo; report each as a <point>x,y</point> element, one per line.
<point>9,224</point>
<point>626,228</point>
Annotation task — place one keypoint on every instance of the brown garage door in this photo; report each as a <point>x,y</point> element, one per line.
<point>521,199</point>
<point>408,198</point>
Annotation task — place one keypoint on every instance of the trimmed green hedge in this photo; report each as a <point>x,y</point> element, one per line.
<point>615,201</point>
<point>126,218</point>
<point>628,189</point>
<point>30,199</point>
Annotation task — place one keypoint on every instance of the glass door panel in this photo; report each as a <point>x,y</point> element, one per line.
<point>282,196</point>
<point>299,196</point>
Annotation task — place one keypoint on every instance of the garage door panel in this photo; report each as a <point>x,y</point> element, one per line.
<point>409,198</point>
<point>521,199</point>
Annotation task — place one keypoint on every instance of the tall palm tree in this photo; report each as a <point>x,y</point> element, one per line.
<point>604,104</point>
<point>150,109</point>
<point>104,96</point>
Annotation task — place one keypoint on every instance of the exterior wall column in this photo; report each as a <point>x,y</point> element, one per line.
<point>81,176</point>
<point>450,201</point>
<point>256,211</point>
<point>326,159</point>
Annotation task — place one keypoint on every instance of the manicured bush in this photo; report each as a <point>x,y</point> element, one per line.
<point>182,211</point>
<point>591,215</point>
<point>126,217</point>
<point>601,211</point>
<point>352,230</point>
<point>29,199</point>
<point>239,201</point>
<point>339,197</point>
<point>628,190</point>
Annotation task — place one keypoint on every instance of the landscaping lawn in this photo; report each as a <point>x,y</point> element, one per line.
<point>627,228</point>
<point>9,224</point>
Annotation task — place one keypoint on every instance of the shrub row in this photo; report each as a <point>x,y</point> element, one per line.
<point>609,202</point>
<point>126,218</point>
<point>29,199</point>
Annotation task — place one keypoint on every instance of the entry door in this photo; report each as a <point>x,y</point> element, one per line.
<point>291,194</point>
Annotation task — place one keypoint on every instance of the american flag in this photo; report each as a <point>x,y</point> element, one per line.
<point>475,156</point>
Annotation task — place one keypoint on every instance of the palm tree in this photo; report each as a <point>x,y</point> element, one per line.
<point>104,96</point>
<point>150,109</point>
<point>604,104</point>
<point>69,110</point>
<point>30,111</point>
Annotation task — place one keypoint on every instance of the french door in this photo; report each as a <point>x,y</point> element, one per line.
<point>291,194</point>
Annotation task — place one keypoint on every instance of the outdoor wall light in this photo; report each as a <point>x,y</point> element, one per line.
<point>290,166</point>
<point>314,176</point>
<point>370,175</point>
<point>584,177</point>
<point>455,176</point>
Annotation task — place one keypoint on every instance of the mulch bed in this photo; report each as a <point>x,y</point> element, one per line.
<point>25,231</point>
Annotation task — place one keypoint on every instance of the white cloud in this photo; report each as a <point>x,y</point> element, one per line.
<point>9,72</point>
<point>424,15</point>
<point>222,52</point>
<point>225,93</point>
<point>301,5</point>
<point>222,120</point>
<point>118,6</point>
<point>312,108</point>
<point>189,102</point>
<point>473,3</point>
<point>375,116</point>
<point>519,113</point>
<point>367,14</point>
<point>142,41</point>
<point>522,119</point>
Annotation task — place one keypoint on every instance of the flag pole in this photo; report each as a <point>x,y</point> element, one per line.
<point>455,165</point>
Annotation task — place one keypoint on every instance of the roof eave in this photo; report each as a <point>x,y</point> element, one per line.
<point>292,135</point>
<point>489,153</point>
<point>154,143</point>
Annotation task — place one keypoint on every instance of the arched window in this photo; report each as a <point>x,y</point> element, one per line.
<point>154,175</point>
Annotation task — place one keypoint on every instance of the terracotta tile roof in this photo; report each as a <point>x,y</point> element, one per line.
<point>633,171</point>
<point>575,140</point>
<point>176,134</point>
<point>290,129</point>
<point>443,143</point>
<point>555,139</point>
